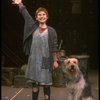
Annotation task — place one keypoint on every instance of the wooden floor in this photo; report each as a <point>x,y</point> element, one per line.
<point>57,93</point>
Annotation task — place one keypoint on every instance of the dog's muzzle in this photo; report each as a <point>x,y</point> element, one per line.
<point>72,68</point>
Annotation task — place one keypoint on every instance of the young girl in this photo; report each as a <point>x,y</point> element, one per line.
<point>40,44</point>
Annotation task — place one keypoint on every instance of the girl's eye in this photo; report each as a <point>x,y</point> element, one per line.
<point>39,14</point>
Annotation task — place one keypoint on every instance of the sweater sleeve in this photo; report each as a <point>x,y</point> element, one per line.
<point>29,27</point>
<point>25,13</point>
<point>29,21</point>
<point>55,44</point>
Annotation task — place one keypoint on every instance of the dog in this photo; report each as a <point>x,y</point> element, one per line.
<point>75,82</point>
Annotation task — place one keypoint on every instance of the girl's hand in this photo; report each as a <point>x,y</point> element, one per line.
<point>55,64</point>
<point>16,1</point>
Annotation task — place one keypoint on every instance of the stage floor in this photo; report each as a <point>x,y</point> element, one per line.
<point>57,93</point>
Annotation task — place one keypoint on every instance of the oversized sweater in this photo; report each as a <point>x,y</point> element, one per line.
<point>30,26</point>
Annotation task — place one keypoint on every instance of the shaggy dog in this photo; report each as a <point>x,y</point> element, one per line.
<point>75,82</point>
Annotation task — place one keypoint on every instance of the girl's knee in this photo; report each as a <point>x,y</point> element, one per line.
<point>35,87</point>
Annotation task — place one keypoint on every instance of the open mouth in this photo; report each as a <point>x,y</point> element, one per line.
<point>72,69</point>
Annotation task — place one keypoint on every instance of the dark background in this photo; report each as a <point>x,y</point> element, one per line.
<point>76,23</point>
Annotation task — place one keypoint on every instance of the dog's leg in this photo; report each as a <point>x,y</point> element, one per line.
<point>69,96</point>
<point>78,93</point>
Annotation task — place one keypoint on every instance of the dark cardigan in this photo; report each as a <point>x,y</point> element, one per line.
<point>29,28</point>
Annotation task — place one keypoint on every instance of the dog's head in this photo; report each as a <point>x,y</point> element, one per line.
<point>71,67</point>
<point>71,64</point>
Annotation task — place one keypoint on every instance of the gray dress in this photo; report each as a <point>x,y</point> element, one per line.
<point>39,60</point>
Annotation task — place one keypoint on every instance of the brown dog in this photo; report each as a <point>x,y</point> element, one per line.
<point>75,82</point>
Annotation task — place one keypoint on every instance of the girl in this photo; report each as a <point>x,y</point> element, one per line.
<point>40,44</point>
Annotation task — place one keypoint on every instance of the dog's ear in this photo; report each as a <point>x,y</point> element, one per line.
<point>75,60</point>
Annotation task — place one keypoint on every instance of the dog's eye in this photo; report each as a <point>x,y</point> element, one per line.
<point>74,62</point>
<point>68,62</point>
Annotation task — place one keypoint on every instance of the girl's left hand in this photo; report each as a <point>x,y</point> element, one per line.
<point>55,64</point>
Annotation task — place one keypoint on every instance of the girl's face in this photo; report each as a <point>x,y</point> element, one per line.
<point>41,17</point>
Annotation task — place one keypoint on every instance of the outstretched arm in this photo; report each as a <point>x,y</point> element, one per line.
<point>29,26</point>
<point>27,17</point>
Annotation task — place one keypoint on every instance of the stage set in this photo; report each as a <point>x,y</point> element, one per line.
<point>76,24</point>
